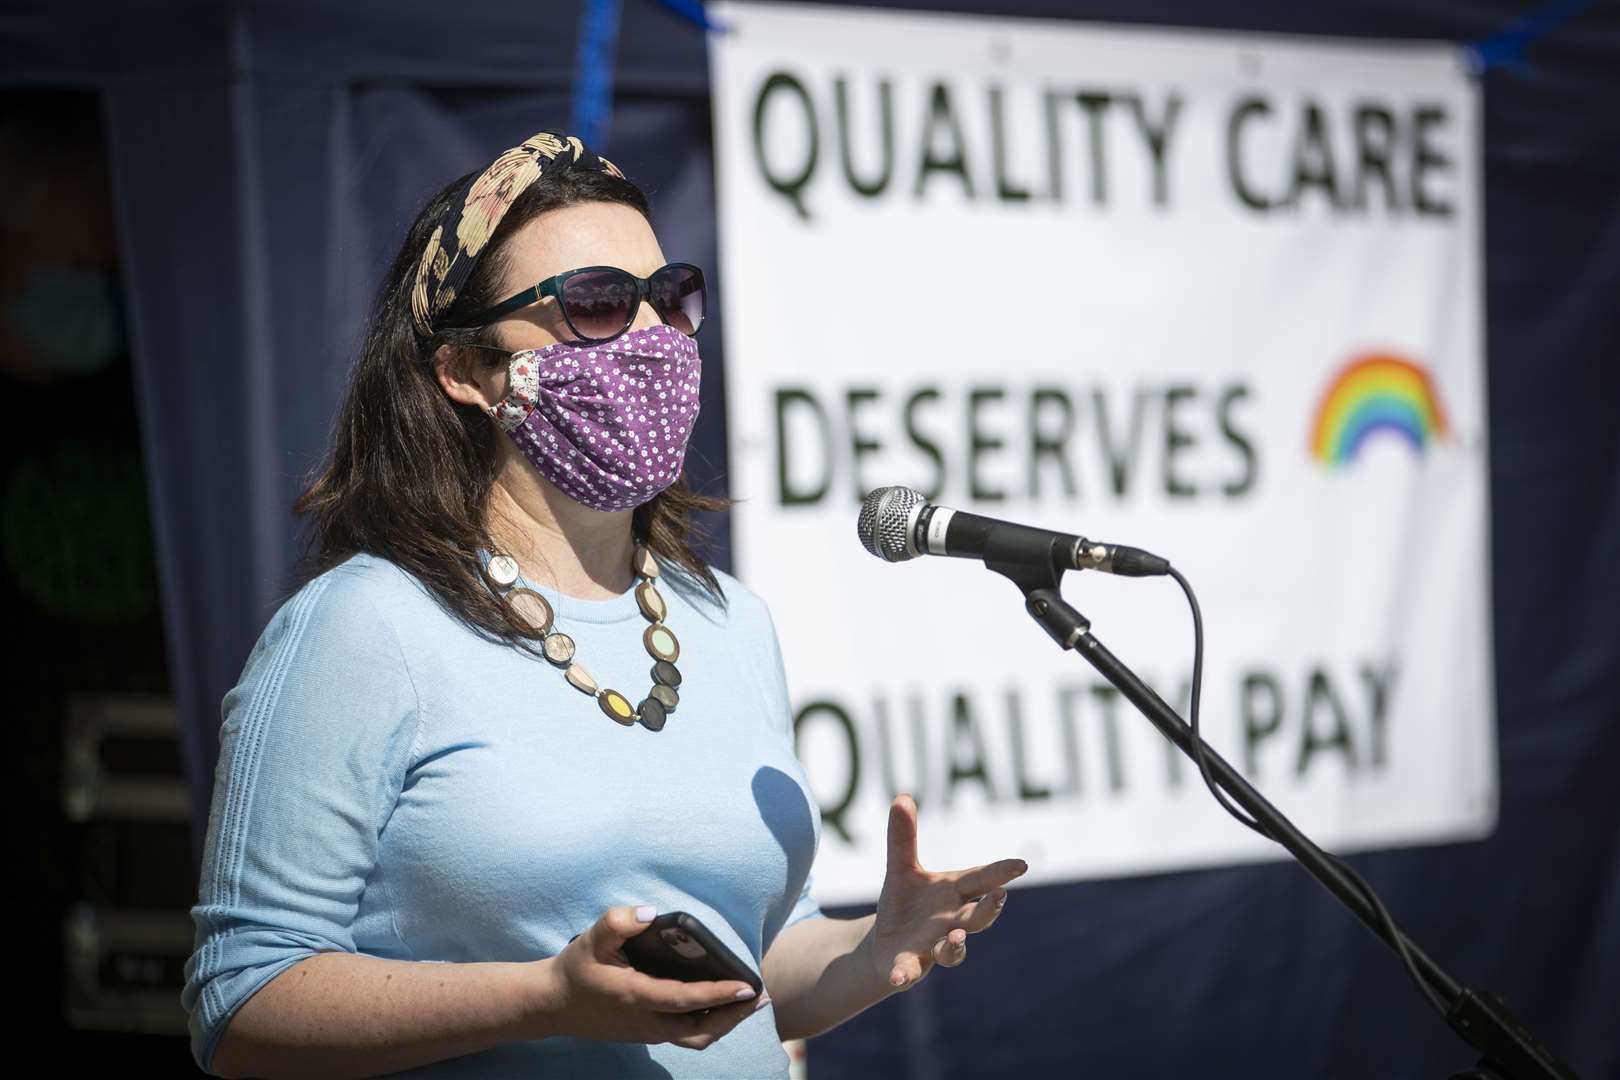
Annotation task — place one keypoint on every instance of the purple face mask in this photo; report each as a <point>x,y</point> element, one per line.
<point>606,423</point>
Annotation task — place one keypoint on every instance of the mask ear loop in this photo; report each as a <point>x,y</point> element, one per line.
<point>492,411</point>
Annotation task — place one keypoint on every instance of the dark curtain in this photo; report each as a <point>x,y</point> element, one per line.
<point>267,158</point>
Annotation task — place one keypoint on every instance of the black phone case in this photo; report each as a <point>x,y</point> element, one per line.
<point>648,952</point>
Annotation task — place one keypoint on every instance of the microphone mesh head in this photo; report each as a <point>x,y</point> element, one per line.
<point>885,522</point>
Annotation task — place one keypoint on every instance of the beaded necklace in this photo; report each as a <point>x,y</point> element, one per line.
<point>533,613</point>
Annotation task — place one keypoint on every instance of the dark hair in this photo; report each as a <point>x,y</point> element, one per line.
<point>409,472</point>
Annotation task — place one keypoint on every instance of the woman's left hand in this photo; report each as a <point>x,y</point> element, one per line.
<point>924,918</point>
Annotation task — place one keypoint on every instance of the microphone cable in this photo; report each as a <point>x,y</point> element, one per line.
<point>1396,938</point>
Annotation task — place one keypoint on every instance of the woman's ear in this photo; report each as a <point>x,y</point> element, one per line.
<point>465,381</point>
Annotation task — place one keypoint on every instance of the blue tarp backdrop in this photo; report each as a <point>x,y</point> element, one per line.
<point>267,158</point>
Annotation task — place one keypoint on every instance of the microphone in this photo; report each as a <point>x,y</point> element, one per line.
<point>897,523</point>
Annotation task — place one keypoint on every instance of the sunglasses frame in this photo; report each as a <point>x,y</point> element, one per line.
<point>553,286</point>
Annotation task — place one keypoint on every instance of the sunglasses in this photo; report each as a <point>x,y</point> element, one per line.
<point>600,302</point>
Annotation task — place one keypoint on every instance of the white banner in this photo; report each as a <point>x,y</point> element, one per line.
<point>1215,295</point>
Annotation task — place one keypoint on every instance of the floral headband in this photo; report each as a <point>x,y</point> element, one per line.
<point>471,219</point>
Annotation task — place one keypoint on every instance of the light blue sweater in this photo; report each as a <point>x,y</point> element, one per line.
<point>392,784</point>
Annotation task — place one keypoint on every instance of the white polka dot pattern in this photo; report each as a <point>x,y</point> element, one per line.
<point>607,424</point>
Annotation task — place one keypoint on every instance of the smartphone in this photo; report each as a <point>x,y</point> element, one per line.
<point>676,945</point>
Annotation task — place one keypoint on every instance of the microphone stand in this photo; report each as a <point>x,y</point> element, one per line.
<point>1031,561</point>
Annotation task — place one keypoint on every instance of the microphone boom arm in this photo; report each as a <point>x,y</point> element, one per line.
<point>1035,561</point>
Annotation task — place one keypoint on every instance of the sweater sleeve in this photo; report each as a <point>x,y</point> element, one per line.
<point>315,742</point>
<point>805,907</point>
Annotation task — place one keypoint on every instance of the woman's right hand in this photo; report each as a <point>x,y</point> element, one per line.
<point>592,992</point>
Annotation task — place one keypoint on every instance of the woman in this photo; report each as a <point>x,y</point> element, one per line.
<point>446,795</point>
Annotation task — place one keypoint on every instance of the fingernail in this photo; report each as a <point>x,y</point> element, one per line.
<point>762,1002</point>
<point>645,913</point>
<point>745,993</point>
<point>1001,901</point>
<point>897,980</point>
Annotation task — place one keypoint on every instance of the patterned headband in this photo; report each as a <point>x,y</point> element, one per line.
<point>472,217</point>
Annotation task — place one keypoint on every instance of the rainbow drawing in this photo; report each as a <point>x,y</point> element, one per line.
<point>1373,394</point>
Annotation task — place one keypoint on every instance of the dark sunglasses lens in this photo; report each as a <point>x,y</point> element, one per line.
<point>597,302</point>
<point>678,297</point>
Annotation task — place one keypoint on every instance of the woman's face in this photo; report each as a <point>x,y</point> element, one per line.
<point>585,234</point>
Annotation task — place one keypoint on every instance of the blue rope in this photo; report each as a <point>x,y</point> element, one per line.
<point>1506,47</point>
<point>593,72</point>
<point>593,63</point>
<point>692,11</point>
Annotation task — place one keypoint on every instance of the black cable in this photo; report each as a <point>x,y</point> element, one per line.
<point>1197,687</point>
<point>1396,938</point>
